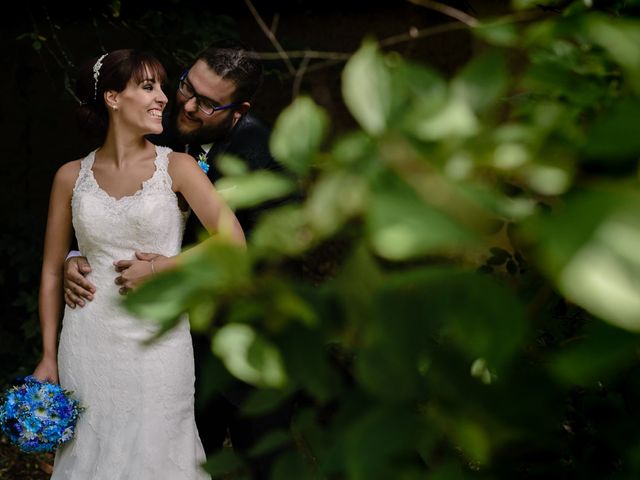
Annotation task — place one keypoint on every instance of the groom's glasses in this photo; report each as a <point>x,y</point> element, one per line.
<point>204,104</point>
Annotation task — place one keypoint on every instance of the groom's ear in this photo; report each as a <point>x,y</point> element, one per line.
<point>239,111</point>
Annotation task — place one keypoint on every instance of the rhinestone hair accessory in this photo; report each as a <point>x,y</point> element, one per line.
<point>96,75</point>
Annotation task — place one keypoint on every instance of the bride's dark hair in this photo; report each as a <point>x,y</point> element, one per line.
<point>118,68</point>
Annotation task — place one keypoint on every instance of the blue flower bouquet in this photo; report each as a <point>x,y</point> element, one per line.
<point>38,416</point>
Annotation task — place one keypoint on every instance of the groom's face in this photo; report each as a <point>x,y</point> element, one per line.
<point>191,124</point>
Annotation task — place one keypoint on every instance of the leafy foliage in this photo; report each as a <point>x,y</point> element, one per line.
<point>481,319</point>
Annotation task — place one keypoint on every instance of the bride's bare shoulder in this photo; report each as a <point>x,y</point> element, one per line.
<point>68,173</point>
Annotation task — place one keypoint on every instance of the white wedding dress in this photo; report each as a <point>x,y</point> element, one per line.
<point>139,419</point>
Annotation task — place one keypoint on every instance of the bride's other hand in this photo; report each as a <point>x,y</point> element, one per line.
<point>47,370</point>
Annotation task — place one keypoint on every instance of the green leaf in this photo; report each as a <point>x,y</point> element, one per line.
<point>356,284</point>
<point>487,320</point>
<point>557,80</point>
<point>223,463</point>
<point>483,81</point>
<point>249,356</point>
<point>402,226</point>
<point>450,471</point>
<point>601,351</point>
<point>115,6</point>
<point>292,466</point>
<point>614,134</point>
<point>334,199</point>
<point>477,314</point>
<point>354,149</point>
<point>388,371</point>
<point>270,442</point>
<point>376,439</point>
<point>283,231</point>
<point>231,165</point>
<point>415,85</point>
<point>455,119</point>
<point>307,362</point>
<point>500,34</point>
<point>254,188</point>
<point>525,4</point>
<point>263,401</point>
<point>298,134</point>
<point>366,88</point>
<point>560,233</point>
<point>201,314</point>
<point>621,38</point>
<point>589,247</point>
<point>163,298</point>
<point>465,433</point>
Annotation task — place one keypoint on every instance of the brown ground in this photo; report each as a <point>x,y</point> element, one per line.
<point>15,465</point>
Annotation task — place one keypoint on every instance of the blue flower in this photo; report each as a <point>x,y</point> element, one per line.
<point>38,416</point>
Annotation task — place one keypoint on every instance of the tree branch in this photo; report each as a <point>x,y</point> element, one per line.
<point>271,37</point>
<point>297,81</point>
<point>448,11</point>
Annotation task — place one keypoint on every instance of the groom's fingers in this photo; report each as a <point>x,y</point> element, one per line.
<point>77,282</point>
<point>76,294</point>
<point>69,300</point>
<point>72,299</point>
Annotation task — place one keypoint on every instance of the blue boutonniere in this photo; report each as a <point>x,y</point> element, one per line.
<point>203,163</point>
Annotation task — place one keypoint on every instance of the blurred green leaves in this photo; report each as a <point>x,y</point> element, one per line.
<point>367,89</point>
<point>613,136</point>
<point>298,134</point>
<point>590,249</point>
<point>249,356</point>
<point>483,81</point>
<point>461,272</point>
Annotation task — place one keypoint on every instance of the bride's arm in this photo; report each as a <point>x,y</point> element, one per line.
<point>56,245</point>
<point>213,212</point>
<point>208,205</point>
<point>192,183</point>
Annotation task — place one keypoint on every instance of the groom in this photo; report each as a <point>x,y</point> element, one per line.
<point>210,116</point>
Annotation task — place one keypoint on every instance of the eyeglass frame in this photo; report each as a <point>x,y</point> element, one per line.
<point>184,80</point>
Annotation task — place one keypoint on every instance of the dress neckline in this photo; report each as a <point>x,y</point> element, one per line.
<point>137,193</point>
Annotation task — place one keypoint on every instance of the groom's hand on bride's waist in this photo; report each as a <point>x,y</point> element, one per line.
<point>76,287</point>
<point>134,272</point>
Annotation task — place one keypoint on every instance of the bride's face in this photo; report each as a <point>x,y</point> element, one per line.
<point>140,105</point>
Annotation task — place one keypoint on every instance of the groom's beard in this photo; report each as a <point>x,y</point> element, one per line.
<point>205,133</point>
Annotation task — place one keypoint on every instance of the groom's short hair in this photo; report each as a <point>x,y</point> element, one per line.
<point>236,62</point>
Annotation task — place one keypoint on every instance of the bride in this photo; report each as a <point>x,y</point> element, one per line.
<point>126,196</point>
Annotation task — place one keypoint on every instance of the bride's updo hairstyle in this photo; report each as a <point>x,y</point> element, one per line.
<point>111,71</point>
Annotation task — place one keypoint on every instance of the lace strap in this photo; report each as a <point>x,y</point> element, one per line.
<point>162,157</point>
<point>85,170</point>
<point>162,165</point>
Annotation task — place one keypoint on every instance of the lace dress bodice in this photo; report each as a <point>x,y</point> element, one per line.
<point>108,228</point>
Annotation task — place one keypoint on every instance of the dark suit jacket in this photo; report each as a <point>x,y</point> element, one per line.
<point>248,140</point>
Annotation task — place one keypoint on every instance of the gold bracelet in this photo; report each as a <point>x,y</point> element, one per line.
<point>153,269</point>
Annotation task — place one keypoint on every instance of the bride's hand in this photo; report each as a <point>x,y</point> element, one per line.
<point>47,370</point>
<point>134,272</point>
